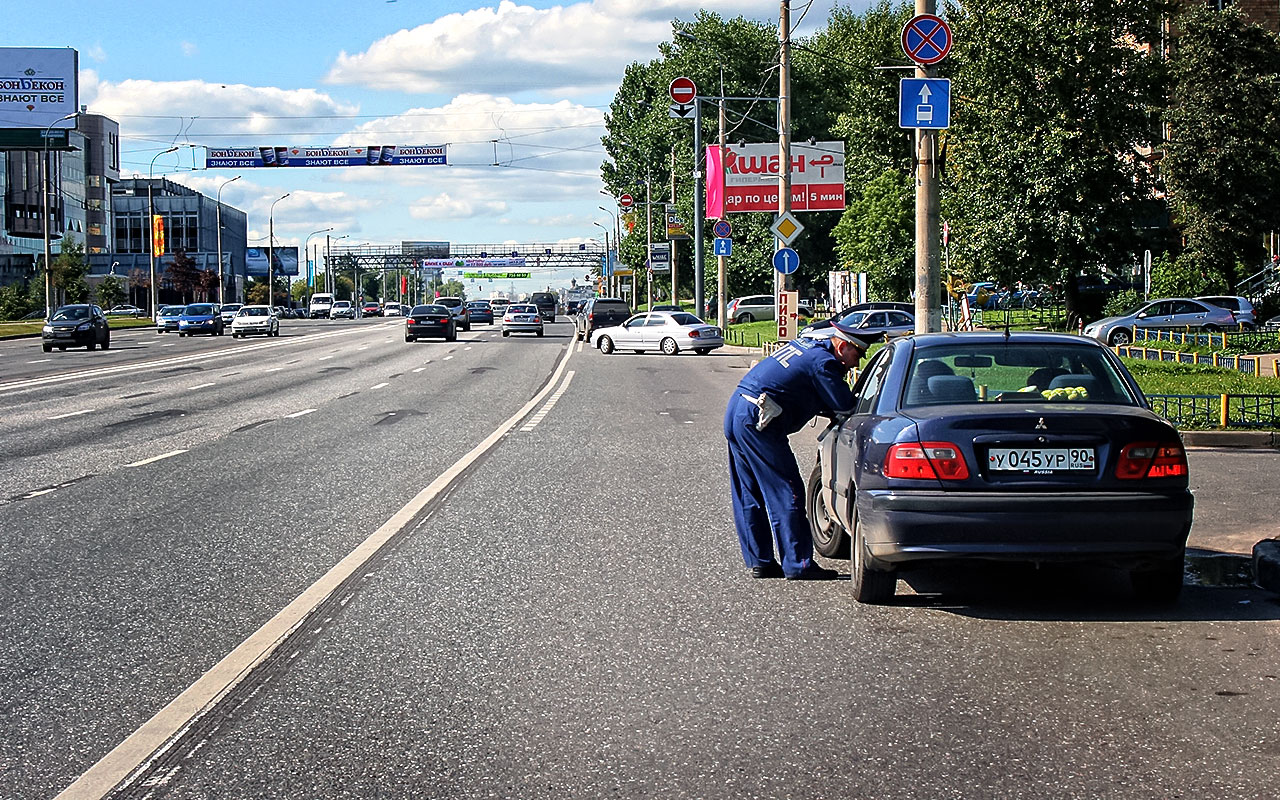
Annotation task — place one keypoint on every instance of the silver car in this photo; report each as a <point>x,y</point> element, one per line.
<point>889,323</point>
<point>1174,313</point>
<point>521,318</point>
<point>756,308</point>
<point>668,331</point>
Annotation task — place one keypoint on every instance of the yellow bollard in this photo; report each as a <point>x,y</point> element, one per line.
<point>1223,416</point>
<point>1215,358</point>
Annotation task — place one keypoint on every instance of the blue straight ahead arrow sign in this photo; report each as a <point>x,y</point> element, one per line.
<point>723,247</point>
<point>786,261</point>
<point>924,103</point>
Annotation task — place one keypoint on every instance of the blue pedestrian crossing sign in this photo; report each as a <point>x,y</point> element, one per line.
<point>786,261</point>
<point>924,103</point>
<point>723,247</point>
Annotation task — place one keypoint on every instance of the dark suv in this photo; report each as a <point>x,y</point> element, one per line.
<point>461,314</point>
<point>546,303</point>
<point>601,312</point>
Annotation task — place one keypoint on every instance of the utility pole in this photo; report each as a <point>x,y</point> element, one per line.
<point>722,266</point>
<point>675,295</point>
<point>699,281</point>
<point>928,278</point>
<point>648,228</point>
<point>784,128</point>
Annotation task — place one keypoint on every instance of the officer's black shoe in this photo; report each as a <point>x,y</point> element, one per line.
<point>813,572</point>
<point>771,570</point>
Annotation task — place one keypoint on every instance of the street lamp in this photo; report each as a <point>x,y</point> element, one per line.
<point>221,287</point>
<point>44,190</point>
<point>307,243</point>
<point>151,227</point>
<point>271,253</point>
<point>330,285</point>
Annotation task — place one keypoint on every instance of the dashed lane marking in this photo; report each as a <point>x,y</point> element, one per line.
<point>324,358</point>
<point>301,413</point>
<point>154,459</point>
<point>201,386</point>
<point>550,404</point>
<point>273,369</point>
<point>447,358</point>
<point>419,369</point>
<point>379,385</point>
<point>40,361</point>
<point>73,413</point>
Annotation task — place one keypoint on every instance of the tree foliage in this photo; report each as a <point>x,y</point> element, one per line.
<point>110,292</point>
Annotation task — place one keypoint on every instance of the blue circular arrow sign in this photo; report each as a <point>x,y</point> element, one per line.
<point>786,261</point>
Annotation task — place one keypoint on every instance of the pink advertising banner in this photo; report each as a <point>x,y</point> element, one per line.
<point>746,178</point>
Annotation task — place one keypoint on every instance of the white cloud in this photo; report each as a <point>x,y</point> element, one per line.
<point>96,52</point>
<point>443,206</point>
<point>190,49</point>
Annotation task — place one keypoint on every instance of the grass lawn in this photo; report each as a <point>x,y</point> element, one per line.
<point>1165,377</point>
<point>14,329</point>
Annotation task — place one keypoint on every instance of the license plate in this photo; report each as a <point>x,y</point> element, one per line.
<point>1041,459</point>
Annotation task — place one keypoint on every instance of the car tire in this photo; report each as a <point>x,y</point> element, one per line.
<point>1211,329</point>
<point>702,351</point>
<point>181,334</point>
<point>606,345</point>
<point>411,338</point>
<point>106,343</point>
<point>829,537</point>
<point>539,331</point>
<point>743,319</point>
<point>48,348</point>
<point>669,347</point>
<point>506,333</point>
<point>1119,338</point>
<point>870,586</point>
<point>91,346</point>
<point>1160,583</point>
<point>451,337</point>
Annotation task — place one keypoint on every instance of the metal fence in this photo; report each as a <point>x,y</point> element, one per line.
<point>1218,410</point>
<point>1249,341</point>
<point>1245,364</point>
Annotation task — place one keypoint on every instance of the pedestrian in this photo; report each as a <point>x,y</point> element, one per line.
<point>804,378</point>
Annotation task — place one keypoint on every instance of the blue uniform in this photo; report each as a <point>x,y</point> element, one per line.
<point>805,378</point>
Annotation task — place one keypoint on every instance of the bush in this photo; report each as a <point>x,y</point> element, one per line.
<point>1120,302</point>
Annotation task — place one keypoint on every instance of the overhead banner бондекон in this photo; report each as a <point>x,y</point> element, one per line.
<point>370,156</point>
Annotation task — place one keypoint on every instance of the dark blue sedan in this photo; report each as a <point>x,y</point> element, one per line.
<point>200,318</point>
<point>480,311</point>
<point>1025,447</point>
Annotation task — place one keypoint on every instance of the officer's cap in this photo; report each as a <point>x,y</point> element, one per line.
<point>861,340</point>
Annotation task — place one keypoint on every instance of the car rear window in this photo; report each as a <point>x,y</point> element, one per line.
<point>197,309</point>
<point>1015,372</point>
<point>433,309</point>
<point>686,319</point>
<point>611,305</point>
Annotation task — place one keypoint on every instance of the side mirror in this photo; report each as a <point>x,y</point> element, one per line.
<point>1142,315</point>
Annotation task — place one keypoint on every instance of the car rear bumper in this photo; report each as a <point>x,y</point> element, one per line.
<point>427,330</point>
<point>1118,527</point>
<point>522,326</point>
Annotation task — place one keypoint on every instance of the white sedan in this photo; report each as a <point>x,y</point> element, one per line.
<point>255,319</point>
<point>668,331</point>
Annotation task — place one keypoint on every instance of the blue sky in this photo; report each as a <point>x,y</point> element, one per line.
<point>537,76</point>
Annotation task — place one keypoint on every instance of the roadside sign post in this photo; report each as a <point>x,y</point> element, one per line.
<point>723,247</point>
<point>788,315</point>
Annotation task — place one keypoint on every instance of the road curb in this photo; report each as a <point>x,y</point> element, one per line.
<point>1240,439</point>
<point>1266,564</point>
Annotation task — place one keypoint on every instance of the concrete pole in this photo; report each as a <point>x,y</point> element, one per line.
<point>222,293</point>
<point>722,266</point>
<point>699,280</point>
<point>784,124</point>
<point>648,222</point>
<point>928,277</point>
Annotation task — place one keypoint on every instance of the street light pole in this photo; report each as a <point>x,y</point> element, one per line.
<point>151,227</point>
<point>44,190</point>
<point>307,244</point>
<point>222,293</point>
<point>271,253</point>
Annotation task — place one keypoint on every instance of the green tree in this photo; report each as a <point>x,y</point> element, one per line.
<point>343,288</point>
<point>1045,178</point>
<point>68,271</point>
<point>451,288</point>
<point>15,301</point>
<point>876,235</point>
<point>183,275</point>
<point>110,292</point>
<point>1222,161</point>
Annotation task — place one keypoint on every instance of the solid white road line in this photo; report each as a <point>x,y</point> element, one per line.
<point>201,696</point>
<point>154,459</point>
<point>73,414</point>
<point>546,409</point>
<point>301,413</point>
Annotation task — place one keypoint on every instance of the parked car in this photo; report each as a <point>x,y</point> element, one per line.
<point>167,318</point>
<point>283,312</point>
<point>1241,309</point>
<point>253,320</point>
<point>480,311</point>
<point>371,308</point>
<point>321,304</point>
<point>125,311</point>
<point>1171,313</point>
<point>229,312</point>
<point>666,307</point>
<point>461,315</point>
<point>76,325</point>
<point>301,312</point>
<point>889,324</point>
<point>667,331</point>
<point>430,320</point>
<point>547,303</point>
<point>393,309</point>
<point>1272,324</point>
<point>522,318</point>
<point>755,308</point>
<point>954,453</point>
<point>32,315</point>
<point>600,312</point>
<point>342,309</point>
<point>200,318</point>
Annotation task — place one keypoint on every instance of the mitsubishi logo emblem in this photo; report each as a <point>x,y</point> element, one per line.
<point>1040,426</point>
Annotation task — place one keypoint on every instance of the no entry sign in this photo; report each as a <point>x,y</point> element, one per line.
<point>626,201</point>
<point>926,39</point>
<point>683,91</point>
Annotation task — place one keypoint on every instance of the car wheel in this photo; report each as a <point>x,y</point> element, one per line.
<point>606,345</point>
<point>91,346</point>
<point>539,331</point>
<point>451,337</point>
<point>48,348</point>
<point>702,351</point>
<point>410,338</point>
<point>506,333</point>
<point>870,586</point>
<point>181,334</point>
<point>1161,583</point>
<point>744,319</point>
<point>829,538</point>
<point>467,327</point>
<point>1120,338</point>
<point>106,343</point>
<point>669,347</point>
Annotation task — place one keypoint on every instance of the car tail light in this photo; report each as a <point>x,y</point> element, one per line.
<point>924,461</point>
<point>1151,460</point>
<point>694,334</point>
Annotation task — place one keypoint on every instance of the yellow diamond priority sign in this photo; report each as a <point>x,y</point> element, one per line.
<point>787,228</point>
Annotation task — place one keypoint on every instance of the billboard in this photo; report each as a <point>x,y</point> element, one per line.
<point>296,156</point>
<point>471,263</point>
<point>38,85</point>
<point>285,258</point>
<point>746,178</point>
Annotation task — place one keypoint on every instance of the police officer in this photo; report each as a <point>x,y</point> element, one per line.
<point>804,378</point>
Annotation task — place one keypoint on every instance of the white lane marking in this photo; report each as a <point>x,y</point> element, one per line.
<point>378,385</point>
<point>447,358</point>
<point>580,344</point>
<point>169,344</point>
<point>154,459</point>
<point>468,347</point>
<point>493,336</point>
<point>201,386</point>
<point>419,369</point>
<point>40,361</point>
<point>38,492</point>
<point>273,369</point>
<point>546,409</point>
<point>325,358</point>
<point>365,347</point>
<point>426,361</point>
<point>200,697</point>
<point>301,413</point>
<point>73,414</point>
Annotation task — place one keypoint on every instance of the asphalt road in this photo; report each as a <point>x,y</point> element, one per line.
<point>567,618</point>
